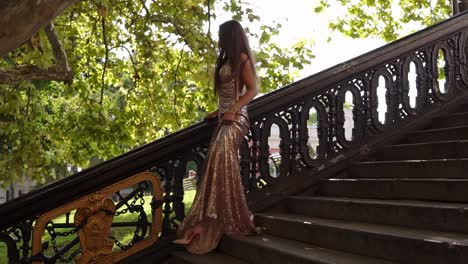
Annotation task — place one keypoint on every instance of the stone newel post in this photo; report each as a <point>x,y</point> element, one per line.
<point>462,5</point>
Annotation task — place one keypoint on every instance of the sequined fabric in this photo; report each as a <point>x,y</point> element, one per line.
<point>220,206</point>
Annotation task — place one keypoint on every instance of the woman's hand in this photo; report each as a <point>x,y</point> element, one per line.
<point>211,115</point>
<point>228,118</point>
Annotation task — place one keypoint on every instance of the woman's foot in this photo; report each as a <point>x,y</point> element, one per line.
<point>181,241</point>
<point>184,241</point>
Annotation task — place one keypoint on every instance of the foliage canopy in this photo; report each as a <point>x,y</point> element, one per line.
<point>142,69</point>
<point>386,19</point>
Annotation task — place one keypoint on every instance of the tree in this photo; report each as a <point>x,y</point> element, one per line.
<point>386,19</point>
<point>142,69</point>
<point>20,19</point>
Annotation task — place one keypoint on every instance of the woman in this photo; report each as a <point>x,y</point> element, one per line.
<point>220,206</point>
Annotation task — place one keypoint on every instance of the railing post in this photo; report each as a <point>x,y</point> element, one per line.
<point>455,9</point>
<point>462,5</point>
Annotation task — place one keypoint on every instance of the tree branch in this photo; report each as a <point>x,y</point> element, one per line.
<point>177,28</point>
<point>93,29</point>
<point>106,45</point>
<point>209,18</point>
<point>146,8</point>
<point>19,20</point>
<point>136,75</point>
<point>175,82</point>
<point>60,55</point>
<point>60,71</point>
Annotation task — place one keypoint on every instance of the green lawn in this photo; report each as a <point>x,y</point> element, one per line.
<point>188,199</point>
<point>3,253</point>
<point>123,234</point>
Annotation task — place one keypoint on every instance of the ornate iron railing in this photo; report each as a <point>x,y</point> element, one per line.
<point>94,217</point>
<point>102,227</point>
<point>291,109</point>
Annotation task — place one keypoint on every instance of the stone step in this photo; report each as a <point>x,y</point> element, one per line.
<point>398,244</point>
<point>436,135</point>
<point>449,217</point>
<point>452,120</point>
<point>437,168</point>
<point>445,190</point>
<point>183,257</point>
<point>275,250</point>
<point>461,108</point>
<point>431,150</point>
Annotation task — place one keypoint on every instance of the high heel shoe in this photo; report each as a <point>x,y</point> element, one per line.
<point>195,231</point>
<point>185,241</point>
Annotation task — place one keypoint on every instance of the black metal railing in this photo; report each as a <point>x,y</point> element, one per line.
<point>431,54</point>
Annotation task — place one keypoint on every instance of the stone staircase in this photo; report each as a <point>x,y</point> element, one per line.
<point>406,204</point>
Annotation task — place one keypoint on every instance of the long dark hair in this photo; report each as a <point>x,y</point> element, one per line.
<point>232,42</point>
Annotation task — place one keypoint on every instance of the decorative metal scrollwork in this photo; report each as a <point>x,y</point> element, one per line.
<point>95,221</point>
<point>322,127</point>
<point>449,67</point>
<point>285,143</point>
<point>357,131</point>
<point>463,57</point>
<point>388,98</point>
<point>420,84</point>
<point>90,239</point>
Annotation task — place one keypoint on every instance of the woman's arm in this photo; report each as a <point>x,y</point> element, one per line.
<point>248,79</point>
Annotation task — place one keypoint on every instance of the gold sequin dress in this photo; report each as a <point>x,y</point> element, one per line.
<point>220,206</point>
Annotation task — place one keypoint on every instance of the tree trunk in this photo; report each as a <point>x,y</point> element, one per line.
<point>20,19</point>
<point>61,71</point>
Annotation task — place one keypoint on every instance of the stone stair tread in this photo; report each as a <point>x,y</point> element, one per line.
<point>427,143</point>
<point>412,167</point>
<point>378,229</point>
<point>452,114</point>
<point>450,120</point>
<point>430,150</point>
<point>209,258</point>
<point>307,251</point>
<point>399,179</point>
<point>408,212</point>
<point>409,203</point>
<point>412,161</point>
<point>449,133</point>
<point>403,188</point>
<point>430,130</point>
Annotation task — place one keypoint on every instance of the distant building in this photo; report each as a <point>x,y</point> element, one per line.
<point>16,190</point>
<point>24,186</point>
